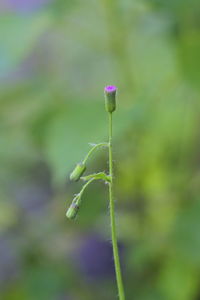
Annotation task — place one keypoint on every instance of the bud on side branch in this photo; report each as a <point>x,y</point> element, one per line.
<point>78,172</point>
<point>72,211</point>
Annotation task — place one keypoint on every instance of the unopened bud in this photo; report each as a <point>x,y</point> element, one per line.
<point>77,172</point>
<point>72,211</point>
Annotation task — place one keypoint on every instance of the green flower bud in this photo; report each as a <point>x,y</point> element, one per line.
<point>72,211</point>
<point>77,172</point>
<point>110,98</point>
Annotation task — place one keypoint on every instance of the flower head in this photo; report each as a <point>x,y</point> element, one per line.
<point>110,97</point>
<point>110,89</point>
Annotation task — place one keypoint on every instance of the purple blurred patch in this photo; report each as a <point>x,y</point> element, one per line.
<point>32,198</point>
<point>9,264</point>
<point>33,194</point>
<point>23,6</point>
<point>64,297</point>
<point>95,258</point>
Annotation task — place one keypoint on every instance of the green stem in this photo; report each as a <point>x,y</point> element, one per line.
<point>112,219</point>
<point>74,207</point>
<point>84,187</point>
<point>93,149</point>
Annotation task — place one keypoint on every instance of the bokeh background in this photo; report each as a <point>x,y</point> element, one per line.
<point>55,59</point>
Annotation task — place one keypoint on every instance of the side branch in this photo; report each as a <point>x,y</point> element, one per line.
<point>95,147</point>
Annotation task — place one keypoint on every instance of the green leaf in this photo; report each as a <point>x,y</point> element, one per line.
<point>100,175</point>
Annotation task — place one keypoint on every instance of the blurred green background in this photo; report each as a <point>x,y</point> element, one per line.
<point>55,59</point>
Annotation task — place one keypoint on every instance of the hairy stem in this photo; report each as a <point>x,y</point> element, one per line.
<point>112,218</point>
